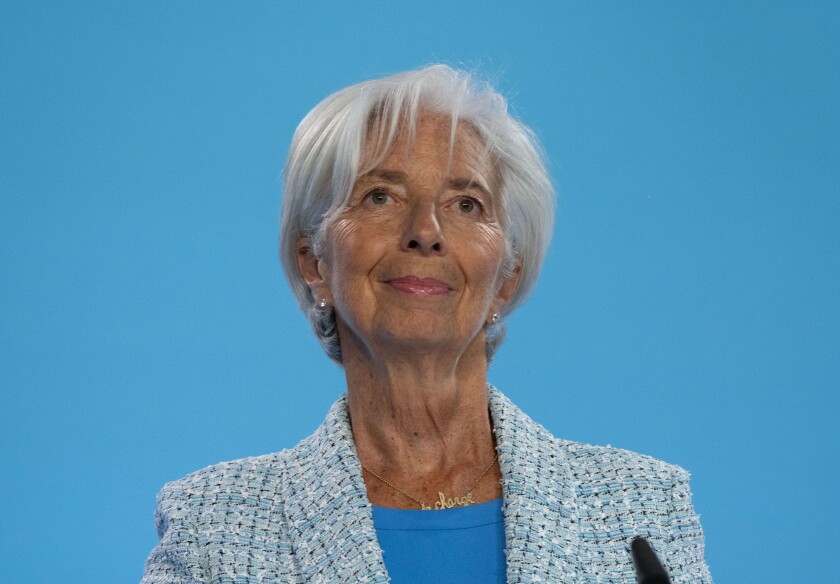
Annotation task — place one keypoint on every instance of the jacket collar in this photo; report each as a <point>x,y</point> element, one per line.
<point>540,511</point>
<point>331,524</point>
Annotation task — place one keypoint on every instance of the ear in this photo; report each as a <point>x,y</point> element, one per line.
<point>506,290</point>
<point>310,268</point>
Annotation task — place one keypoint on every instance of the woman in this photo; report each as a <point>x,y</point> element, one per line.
<point>416,215</point>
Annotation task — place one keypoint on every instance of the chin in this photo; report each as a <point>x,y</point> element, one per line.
<point>427,339</point>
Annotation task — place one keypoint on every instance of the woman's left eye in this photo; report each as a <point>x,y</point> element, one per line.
<point>468,205</point>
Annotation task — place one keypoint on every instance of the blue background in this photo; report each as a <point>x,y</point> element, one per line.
<point>688,308</point>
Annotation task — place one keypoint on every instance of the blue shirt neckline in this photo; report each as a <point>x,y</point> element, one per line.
<point>488,513</point>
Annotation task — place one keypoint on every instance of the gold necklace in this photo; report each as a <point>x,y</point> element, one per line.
<point>443,502</point>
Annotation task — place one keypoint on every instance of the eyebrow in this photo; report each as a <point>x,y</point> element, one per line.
<point>399,177</point>
<point>392,176</point>
<point>466,184</point>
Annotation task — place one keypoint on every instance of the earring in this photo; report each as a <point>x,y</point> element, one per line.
<point>323,303</point>
<point>494,318</point>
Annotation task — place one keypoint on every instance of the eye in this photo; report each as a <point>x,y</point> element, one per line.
<point>468,205</point>
<point>378,197</point>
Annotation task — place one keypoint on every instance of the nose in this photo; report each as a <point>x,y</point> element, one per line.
<point>423,231</point>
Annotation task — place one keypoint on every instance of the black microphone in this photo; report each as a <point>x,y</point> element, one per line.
<point>648,568</point>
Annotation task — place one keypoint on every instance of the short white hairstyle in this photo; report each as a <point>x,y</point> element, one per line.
<point>329,145</point>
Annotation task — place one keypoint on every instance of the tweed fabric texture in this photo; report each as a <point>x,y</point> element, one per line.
<point>302,515</point>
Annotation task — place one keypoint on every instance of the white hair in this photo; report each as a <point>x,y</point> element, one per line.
<point>327,150</point>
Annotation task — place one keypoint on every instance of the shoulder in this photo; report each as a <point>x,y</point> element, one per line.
<point>246,482</point>
<point>230,475</point>
<point>220,487</point>
<point>592,464</point>
<point>616,482</point>
<point>228,518</point>
<point>245,485</point>
<point>587,463</point>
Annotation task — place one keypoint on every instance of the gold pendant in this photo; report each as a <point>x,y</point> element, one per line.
<point>449,503</point>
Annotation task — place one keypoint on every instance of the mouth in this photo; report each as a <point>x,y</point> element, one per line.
<point>419,286</point>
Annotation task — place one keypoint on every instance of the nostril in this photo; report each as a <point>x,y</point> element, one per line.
<point>413,244</point>
<point>436,247</point>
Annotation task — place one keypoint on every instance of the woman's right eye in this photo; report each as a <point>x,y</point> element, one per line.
<point>378,197</point>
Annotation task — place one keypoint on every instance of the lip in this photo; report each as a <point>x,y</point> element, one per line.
<point>420,286</point>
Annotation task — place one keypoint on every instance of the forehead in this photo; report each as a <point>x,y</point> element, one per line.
<point>429,138</point>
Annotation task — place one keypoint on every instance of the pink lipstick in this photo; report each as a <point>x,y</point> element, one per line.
<point>420,286</point>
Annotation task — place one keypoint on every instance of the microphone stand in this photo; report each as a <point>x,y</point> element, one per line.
<point>649,570</point>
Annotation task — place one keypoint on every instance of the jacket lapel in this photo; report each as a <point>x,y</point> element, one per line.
<point>540,511</point>
<point>326,507</point>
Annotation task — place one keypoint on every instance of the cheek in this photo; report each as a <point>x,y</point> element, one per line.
<point>343,243</point>
<point>349,251</point>
<point>340,233</point>
<point>487,250</point>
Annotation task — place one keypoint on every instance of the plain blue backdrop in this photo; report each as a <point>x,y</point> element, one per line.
<point>688,308</point>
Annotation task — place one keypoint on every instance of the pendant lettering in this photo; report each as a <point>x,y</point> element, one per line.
<point>445,503</point>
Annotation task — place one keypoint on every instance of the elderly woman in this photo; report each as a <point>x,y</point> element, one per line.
<point>416,215</point>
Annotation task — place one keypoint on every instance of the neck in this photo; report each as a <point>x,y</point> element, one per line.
<point>422,420</point>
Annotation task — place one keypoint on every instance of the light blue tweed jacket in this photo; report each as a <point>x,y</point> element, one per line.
<point>302,515</point>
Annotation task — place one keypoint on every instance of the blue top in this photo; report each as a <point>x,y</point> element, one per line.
<point>463,545</point>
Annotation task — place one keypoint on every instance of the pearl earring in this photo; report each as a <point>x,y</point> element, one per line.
<point>323,303</point>
<point>495,318</point>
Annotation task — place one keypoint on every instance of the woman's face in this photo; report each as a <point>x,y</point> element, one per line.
<point>415,259</point>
